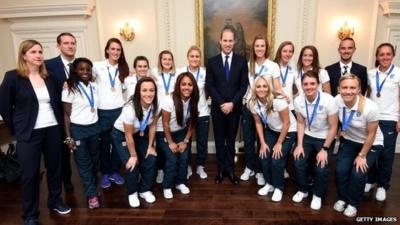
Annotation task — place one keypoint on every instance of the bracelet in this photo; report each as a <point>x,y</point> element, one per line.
<point>68,140</point>
<point>186,141</point>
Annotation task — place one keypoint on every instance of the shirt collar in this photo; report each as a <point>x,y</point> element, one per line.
<point>355,106</point>
<point>224,55</point>
<point>348,65</point>
<point>66,62</point>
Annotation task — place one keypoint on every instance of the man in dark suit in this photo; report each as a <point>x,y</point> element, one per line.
<point>346,49</point>
<point>226,83</point>
<point>58,69</point>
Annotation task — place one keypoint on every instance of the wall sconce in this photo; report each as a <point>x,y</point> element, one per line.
<point>345,31</point>
<point>126,32</point>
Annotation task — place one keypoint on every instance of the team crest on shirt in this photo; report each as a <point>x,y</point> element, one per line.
<point>320,107</point>
<point>392,75</point>
<point>358,114</point>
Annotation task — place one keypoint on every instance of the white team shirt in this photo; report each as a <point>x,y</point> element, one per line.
<point>168,105</point>
<point>128,116</point>
<point>357,129</point>
<point>320,125</point>
<point>268,68</point>
<point>273,118</point>
<point>389,101</point>
<point>81,110</point>
<point>108,99</point>
<point>323,78</point>
<point>130,84</point>
<point>203,108</point>
<point>290,81</point>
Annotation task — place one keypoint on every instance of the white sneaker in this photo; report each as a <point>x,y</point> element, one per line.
<point>368,187</point>
<point>168,193</point>
<point>315,203</point>
<point>286,174</point>
<point>260,179</point>
<point>299,196</point>
<point>277,196</point>
<point>247,173</point>
<point>183,188</point>
<point>264,190</point>
<point>339,206</point>
<point>380,194</point>
<point>200,171</point>
<point>160,176</point>
<point>148,196</point>
<point>189,172</point>
<point>134,200</point>
<point>350,211</point>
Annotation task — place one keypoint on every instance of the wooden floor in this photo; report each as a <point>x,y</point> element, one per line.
<point>207,203</point>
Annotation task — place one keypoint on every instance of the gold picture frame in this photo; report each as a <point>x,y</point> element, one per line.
<point>201,9</point>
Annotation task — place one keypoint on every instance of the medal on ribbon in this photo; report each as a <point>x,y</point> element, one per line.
<point>346,122</point>
<point>166,84</point>
<point>262,115</point>
<point>112,80</point>
<point>284,77</point>
<point>89,98</point>
<point>314,112</point>
<point>379,86</point>
<point>143,123</point>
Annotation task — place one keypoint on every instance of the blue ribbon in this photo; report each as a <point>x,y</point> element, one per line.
<point>112,80</point>
<point>143,123</point>
<point>261,114</point>
<point>259,72</point>
<point>313,113</point>
<point>380,86</point>
<point>301,74</point>
<point>283,78</point>
<point>89,98</point>
<point>186,119</point>
<point>346,123</point>
<point>166,85</point>
<point>197,74</point>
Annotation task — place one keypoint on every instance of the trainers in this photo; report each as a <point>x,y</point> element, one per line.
<point>299,196</point>
<point>168,193</point>
<point>105,182</point>
<point>61,208</point>
<point>183,188</point>
<point>133,200</point>
<point>160,176</point>
<point>315,203</point>
<point>339,206</point>
<point>200,171</point>
<point>247,173</point>
<point>117,179</point>
<point>260,179</point>
<point>380,194</point>
<point>148,196</point>
<point>277,196</point>
<point>264,190</point>
<point>286,174</point>
<point>189,172</point>
<point>93,202</point>
<point>368,187</point>
<point>350,211</point>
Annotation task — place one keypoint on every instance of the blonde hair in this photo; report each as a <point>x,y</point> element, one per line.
<point>22,68</point>
<point>193,48</point>
<point>349,76</point>
<point>270,95</point>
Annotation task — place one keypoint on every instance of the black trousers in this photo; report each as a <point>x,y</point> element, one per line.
<point>225,130</point>
<point>47,141</point>
<point>65,164</point>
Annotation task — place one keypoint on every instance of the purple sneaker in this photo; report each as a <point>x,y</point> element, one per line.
<point>117,179</point>
<point>105,182</point>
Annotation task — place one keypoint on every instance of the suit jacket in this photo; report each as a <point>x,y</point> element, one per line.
<point>221,90</point>
<point>335,73</point>
<point>19,105</point>
<point>56,70</point>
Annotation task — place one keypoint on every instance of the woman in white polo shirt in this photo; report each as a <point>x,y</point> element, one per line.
<point>384,83</point>
<point>179,116</point>
<point>259,64</point>
<point>133,135</point>
<point>276,130</point>
<point>360,141</point>
<point>165,78</point>
<point>317,124</point>
<point>80,102</point>
<point>110,74</point>
<point>202,124</point>
<point>309,61</point>
<point>141,66</point>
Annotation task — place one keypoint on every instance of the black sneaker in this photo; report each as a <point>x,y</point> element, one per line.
<point>61,208</point>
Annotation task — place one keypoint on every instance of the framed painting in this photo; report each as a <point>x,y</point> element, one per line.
<point>249,18</point>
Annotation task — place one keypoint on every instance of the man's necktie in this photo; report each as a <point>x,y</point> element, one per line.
<point>227,67</point>
<point>345,69</point>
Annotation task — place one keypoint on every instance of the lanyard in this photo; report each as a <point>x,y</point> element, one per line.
<point>186,118</point>
<point>259,72</point>
<point>283,78</point>
<point>89,98</point>
<point>314,112</point>
<point>346,123</point>
<point>166,85</point>
<point>112,80</point>
<point>261,114</point>
<point>197,73</point>
<point>143,123</point>
<point>380,86</point>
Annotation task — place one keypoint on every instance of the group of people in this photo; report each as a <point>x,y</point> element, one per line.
<point>144,121</point>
